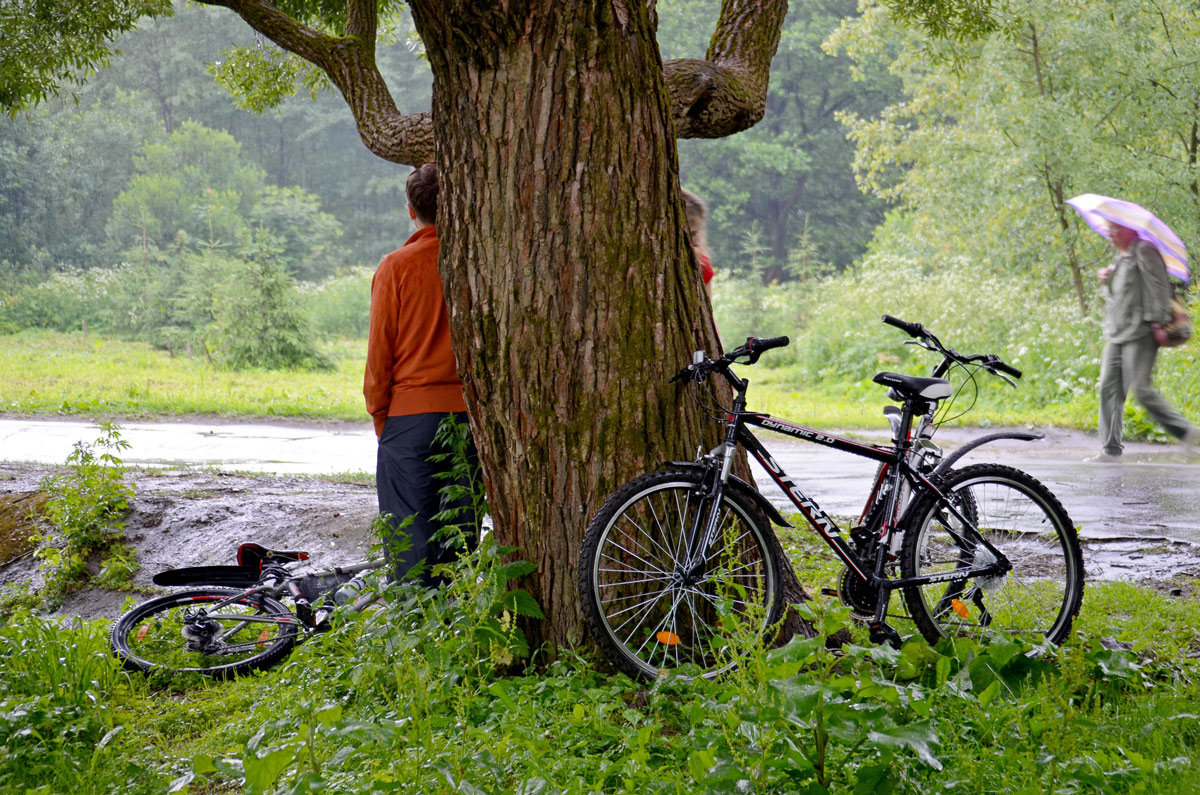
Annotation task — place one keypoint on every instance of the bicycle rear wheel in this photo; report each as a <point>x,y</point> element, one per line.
<point>1039,598</point>
<point>648,614</point>
<point>172,633</point>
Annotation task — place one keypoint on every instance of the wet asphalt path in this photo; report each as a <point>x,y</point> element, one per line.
<point>1151,498</point>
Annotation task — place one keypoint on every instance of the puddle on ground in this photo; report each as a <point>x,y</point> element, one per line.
<point>199,518</point>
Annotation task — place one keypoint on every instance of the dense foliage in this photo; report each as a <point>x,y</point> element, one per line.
<point>785,183</point>
<point>408,697</point>
<point>52,43</point>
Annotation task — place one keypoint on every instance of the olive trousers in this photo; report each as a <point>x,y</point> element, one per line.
<point>1126,366</point>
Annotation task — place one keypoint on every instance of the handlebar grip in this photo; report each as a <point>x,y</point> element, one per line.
<point>913,329</point>
<point>760,345</point>
<point>1007,368</point>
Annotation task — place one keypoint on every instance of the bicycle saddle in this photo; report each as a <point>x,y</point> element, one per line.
<point>913,386</point>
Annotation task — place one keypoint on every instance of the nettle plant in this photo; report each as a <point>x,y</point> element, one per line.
<point>86,508</point>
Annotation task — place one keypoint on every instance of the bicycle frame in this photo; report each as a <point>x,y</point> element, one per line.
<point>896,457</point>
<point>286,583</point>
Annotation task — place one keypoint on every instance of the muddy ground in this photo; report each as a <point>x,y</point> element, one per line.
<point>198,518</point>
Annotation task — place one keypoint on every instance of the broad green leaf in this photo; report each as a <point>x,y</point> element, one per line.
<point>917,737</point>
<point>520,602</point>
<point>262,770</point>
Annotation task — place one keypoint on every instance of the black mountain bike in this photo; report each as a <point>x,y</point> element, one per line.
<point>238,619</point>
<point>678,560</point>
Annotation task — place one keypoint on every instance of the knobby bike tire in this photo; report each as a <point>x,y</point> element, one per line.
<point>150,636</point>
<point>1039,598</point>
<point>645,618</point>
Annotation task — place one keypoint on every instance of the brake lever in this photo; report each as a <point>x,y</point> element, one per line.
<point>684,374</point>
<point>1003,377</point>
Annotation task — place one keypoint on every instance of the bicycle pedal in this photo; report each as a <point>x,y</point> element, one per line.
<point>885,633</point>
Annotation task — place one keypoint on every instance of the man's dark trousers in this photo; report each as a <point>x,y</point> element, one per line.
<point>406,483</point>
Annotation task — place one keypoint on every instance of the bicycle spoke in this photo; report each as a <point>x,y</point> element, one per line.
<point>653,596</point>
<point>651,634</point>
<point>1012,513</point>
<point>634,556</point>
<point>650,536</point>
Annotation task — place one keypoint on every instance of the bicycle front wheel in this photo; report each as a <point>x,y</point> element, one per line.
<point>647,608</point>
<point>1038,598</point>
<point>218,632</point>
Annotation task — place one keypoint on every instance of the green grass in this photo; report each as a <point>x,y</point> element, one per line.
<point>54,373</point>
<point>401,699</point>
<point>859,404</point>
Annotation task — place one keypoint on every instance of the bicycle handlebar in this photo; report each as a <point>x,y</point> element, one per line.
<point>760,346</point>
<point>990,362</point>
<point>913,329</point>
<point>1004,367</point>
<point>753,348</point>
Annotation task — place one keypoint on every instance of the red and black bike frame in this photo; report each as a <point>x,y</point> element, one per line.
<point>897,467</point>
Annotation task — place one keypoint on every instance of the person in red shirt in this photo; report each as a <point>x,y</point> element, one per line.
<point>697,213</point>
<point>411,385</point>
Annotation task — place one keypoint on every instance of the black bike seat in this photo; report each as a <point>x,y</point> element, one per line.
<point>913,386</point>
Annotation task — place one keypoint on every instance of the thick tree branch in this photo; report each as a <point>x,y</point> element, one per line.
<point>727,92</point>
<point>349,61</point>
<point>721,95</point>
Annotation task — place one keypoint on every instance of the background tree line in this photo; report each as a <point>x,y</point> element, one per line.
<point>153,188</point>
<point>135,156</point>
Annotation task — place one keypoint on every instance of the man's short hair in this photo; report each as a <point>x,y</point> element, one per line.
<point>422,192</point>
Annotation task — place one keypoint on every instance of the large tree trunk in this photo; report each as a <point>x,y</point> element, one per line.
<point>574,295</point>
<point>573,291</point>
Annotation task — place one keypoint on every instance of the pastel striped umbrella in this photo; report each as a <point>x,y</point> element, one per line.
<point>1098,210</point>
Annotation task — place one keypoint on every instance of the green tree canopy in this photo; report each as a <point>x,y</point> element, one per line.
<point>51,43</point>
<point>986,146</point>
<point>196,183</point>
<point>63,171</point>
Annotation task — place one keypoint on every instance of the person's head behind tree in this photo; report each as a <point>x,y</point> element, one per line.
<point>697,212</point>
<point>421,190</point>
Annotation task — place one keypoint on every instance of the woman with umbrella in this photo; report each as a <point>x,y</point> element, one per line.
<point>1138,297</point>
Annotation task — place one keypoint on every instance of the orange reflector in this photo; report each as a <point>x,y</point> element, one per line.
<point>262,638</point>
<point>667,638</point>
<point>142,630</point>
<point>959,608</point>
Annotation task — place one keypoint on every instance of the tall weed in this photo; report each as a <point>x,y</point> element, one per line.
<point>86,509</point>
<point>55,734</point>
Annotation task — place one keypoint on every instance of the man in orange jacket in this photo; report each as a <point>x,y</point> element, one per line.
<point>411,384</point>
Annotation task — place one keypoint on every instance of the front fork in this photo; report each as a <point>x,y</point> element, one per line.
<point>718,464</point>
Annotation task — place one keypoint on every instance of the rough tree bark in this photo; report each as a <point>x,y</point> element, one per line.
<point>573,289</point>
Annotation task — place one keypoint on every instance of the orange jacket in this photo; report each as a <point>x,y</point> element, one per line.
<point>410,367</point>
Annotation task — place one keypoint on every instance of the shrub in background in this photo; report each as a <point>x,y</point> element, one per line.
<point>260,321</point>
<point>340,306</point>
<point>837,336</point>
